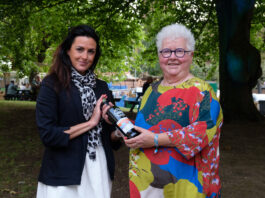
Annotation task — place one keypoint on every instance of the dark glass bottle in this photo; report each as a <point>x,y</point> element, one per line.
<point>117,117</point>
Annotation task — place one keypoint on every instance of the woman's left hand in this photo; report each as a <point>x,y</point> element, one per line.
<point>144,140</point>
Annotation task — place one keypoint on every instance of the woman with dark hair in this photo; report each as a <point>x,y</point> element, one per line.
<point>78,160</point>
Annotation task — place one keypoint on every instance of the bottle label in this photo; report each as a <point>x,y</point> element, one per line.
<point>118,112</point>
<point>125,124</point>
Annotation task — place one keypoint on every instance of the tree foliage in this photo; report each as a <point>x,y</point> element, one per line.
<point>31,31</point>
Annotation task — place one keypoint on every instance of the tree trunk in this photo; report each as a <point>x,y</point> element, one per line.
<point>240,62</point>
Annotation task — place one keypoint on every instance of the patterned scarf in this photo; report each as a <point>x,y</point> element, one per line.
<point>85,85</point>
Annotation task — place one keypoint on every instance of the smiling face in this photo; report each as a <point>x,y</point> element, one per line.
<point>175,68</point>
<point>82,53</point>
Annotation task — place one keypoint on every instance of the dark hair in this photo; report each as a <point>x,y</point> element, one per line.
<point>62,64</point>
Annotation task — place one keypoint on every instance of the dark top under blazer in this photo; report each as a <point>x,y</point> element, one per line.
<point>64,159</point>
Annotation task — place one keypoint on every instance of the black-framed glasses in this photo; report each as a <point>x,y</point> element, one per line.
<point>179,52</point>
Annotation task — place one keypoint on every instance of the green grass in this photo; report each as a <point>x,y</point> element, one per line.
<point>126,110</point>
<point>17,104</point>
<point>21,149</point>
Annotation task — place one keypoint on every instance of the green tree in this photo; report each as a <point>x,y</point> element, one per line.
<point>31,30</point>
<point>34,29</point>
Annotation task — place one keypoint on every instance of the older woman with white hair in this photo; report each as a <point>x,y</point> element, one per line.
<point>177,151</point>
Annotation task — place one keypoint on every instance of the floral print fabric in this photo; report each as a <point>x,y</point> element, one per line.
<point>191,116</point>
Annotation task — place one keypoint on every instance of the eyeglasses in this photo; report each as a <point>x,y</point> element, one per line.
<point>179,52</point>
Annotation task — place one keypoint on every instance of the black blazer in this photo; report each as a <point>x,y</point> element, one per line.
<point>64,159</point>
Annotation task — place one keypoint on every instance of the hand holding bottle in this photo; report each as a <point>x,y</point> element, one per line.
<point>105,107</point>
<point>145,140</point>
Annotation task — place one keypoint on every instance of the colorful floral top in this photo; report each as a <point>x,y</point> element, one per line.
<point>191,116</point>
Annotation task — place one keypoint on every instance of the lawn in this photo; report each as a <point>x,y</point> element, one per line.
<point>242,152</point>
<point>21,149</point>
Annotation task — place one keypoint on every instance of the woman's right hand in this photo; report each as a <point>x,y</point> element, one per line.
<point>144,140</point>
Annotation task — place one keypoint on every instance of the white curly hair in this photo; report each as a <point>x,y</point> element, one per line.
<point>174,31</point>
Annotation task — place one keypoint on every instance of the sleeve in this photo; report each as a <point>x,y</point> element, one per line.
<point>51,134</point>
<point>205,120</point>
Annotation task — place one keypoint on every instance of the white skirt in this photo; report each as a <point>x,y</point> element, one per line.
<point>95,181</point>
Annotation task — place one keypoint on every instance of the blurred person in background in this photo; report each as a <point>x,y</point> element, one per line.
<point>12,89</point>
<point>148,82</point>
